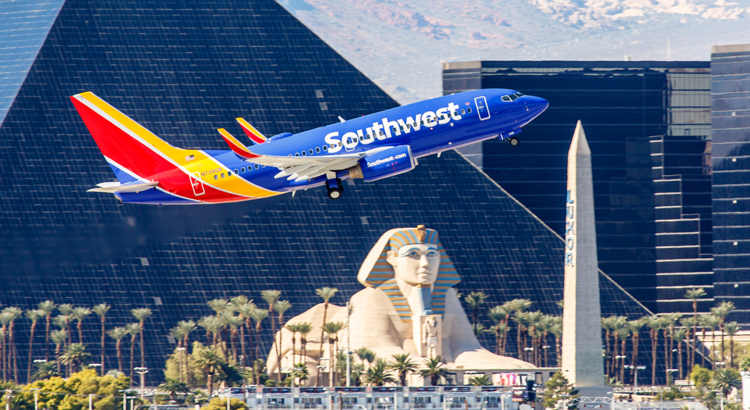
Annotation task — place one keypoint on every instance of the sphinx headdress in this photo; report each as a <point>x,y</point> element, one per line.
<point>377,272</point>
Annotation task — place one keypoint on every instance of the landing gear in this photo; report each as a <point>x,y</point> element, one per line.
<point>335,189</point>
<point>513,141</point>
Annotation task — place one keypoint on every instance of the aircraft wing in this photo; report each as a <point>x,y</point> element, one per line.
<point>304,168</point>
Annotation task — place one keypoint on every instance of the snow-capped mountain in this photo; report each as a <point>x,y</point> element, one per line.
<point>401,45</point>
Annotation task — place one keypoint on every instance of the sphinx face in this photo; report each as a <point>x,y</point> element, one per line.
<point>416,264</point>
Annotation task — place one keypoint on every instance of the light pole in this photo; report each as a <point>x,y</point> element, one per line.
<point>349,309</point>
<point>671,376</point>
<point>36,397</point>
<point>142,372</point>
<point>8,393</point>
<point>635,374</point>
<point>180,350</point>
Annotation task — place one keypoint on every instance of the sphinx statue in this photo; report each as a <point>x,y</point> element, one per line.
<point>408,305</point>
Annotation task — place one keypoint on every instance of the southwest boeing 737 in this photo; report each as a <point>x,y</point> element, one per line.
<point>372,147</point>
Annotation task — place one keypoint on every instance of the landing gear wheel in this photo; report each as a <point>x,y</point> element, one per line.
<point>335,189</point>
<point>335,193</point>
<point>513,142</point>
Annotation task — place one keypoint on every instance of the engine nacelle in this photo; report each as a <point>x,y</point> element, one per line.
<point>383,164</point>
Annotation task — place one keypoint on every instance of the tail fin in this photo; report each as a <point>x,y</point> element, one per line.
<point>133,152</point>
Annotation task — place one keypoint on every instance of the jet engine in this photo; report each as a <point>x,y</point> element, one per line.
<point>383,164</point>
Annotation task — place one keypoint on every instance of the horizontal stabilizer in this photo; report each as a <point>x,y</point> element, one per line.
<point>112,187</point>
<point>239,148</point>
<point>255,136</point>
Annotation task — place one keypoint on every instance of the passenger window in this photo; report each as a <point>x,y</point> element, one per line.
<point>325,147</point>
<point>296,154</point>
<point>304,153</point>
<point>463,112</point>
<point>222,175</point>
<point>242,170</point>
<point>235,172</point>
<point>262,166</point>
<point>256,166</point>
<point>317,149</point>
<point>361,138</point>
<point>310,151</point>
<point>468,110</point>
<point>216,177</point>
<point>229,173</point>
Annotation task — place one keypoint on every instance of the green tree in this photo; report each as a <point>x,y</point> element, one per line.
<point>500,316</point>
<point>48,307</point>
<point>245,309</point>
<point>731,329</point>
<point>402,365</point>
<point>258,315</point>
<point>44,370</point>
<point>434,369</point>
<point>694,294</point>
<point>141,315</point>
<point>75,355</point>
<point>483,380</point>
<point>118,333</point>
<point>721,312</point>
<point>332,329</point>
<point>34,315</point>
<point>219,306</point>
<point>710,322</point>
<point>655,324</point>
<point>701,376</point>
<point>209,362</point>
<point>516,306</point>
<point>66,313</point>
<point>725,380</point>
<point>12,313</point>
<point>280,307</point>
<point>304,328</point>
<point>58,338</point>
<point>133,330</point>
<point>221,404</point>
<point>326,294</point>
<point>679,337</point>
<point>101,311</point>
<point>475,300</point>
<point>378,375</point>
<point>173,386</point>
<point>558,388</point>
<point>366,355</point>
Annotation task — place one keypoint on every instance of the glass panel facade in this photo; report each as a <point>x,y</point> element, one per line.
<point>621,105</point>
<point>730,126</point>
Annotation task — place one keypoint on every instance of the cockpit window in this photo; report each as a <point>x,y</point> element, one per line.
<point>506,98</point>
<point>518,94</point>
<point>513,97</point>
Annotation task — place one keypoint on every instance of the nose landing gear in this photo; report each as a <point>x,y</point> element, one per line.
<point>335,189</point>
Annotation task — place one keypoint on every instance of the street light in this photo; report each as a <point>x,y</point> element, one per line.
<point>36,397</point>
<point>141,371</point>
<point>635,374</point>
<point>95,365</point>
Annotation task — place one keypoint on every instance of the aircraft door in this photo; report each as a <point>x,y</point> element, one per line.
<point>197,184</point>
<point>482,109</point>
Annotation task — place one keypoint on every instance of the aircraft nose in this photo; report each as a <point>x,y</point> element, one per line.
<point>537,104</point>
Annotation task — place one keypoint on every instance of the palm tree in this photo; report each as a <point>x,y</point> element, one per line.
<point>403,365</point>
<point>635,326</point>
<point>726,380</point>
<point>244,310</point>
<point>303,329</point>
<point>79,314</point>
<point>556,330</point>
<point>722,311</point>
<point>118,333</point>
<point>534,320</point>
<point>622,332</point>
<point>516,306</point>
<point>679,337</point>
<point>332,329</point>
<point>75,355</point>
<point>44,370</point>
<point>4,321</point>
<point>483,380</point>
<point>101,311</point>
<point>671,320</point>
<point>209,362</point>
<point>258,315</point>
<point>474,300</point>
<point>48,307</point>
<point>500,316</point>
<point>434,370</point>
<point>710,322</point>
<point>58,338</point>
<point>219,306</point>
<point>688,323</point>
<point>731,328</point>
<point>141,315</point>
<point>13,313</point>
<point>608,325</point>
<point>293,328</point>
<point>66,311</point>
<point>280,307</point>
<point>185,328</point>
<point>694,295</point>
<point>173,386</point>
<point>520,318</point>
<point>33,315</point>
<point>378,375</point>
<point>234,323</point>
<point>326,294</point>
<point>133,330</point>
<point>655,324</point>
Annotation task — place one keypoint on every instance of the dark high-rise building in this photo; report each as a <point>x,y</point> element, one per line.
<point>183,69</point>
<point>648,126</point>
<point>730,126</point>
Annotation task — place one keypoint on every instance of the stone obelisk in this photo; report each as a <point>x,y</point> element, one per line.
<point>582,362</point>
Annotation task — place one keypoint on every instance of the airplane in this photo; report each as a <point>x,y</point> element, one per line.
<point>151,171</point>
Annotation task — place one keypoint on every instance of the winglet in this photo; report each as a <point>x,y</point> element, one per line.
<point>239,148</point>
<point>255,136</point>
